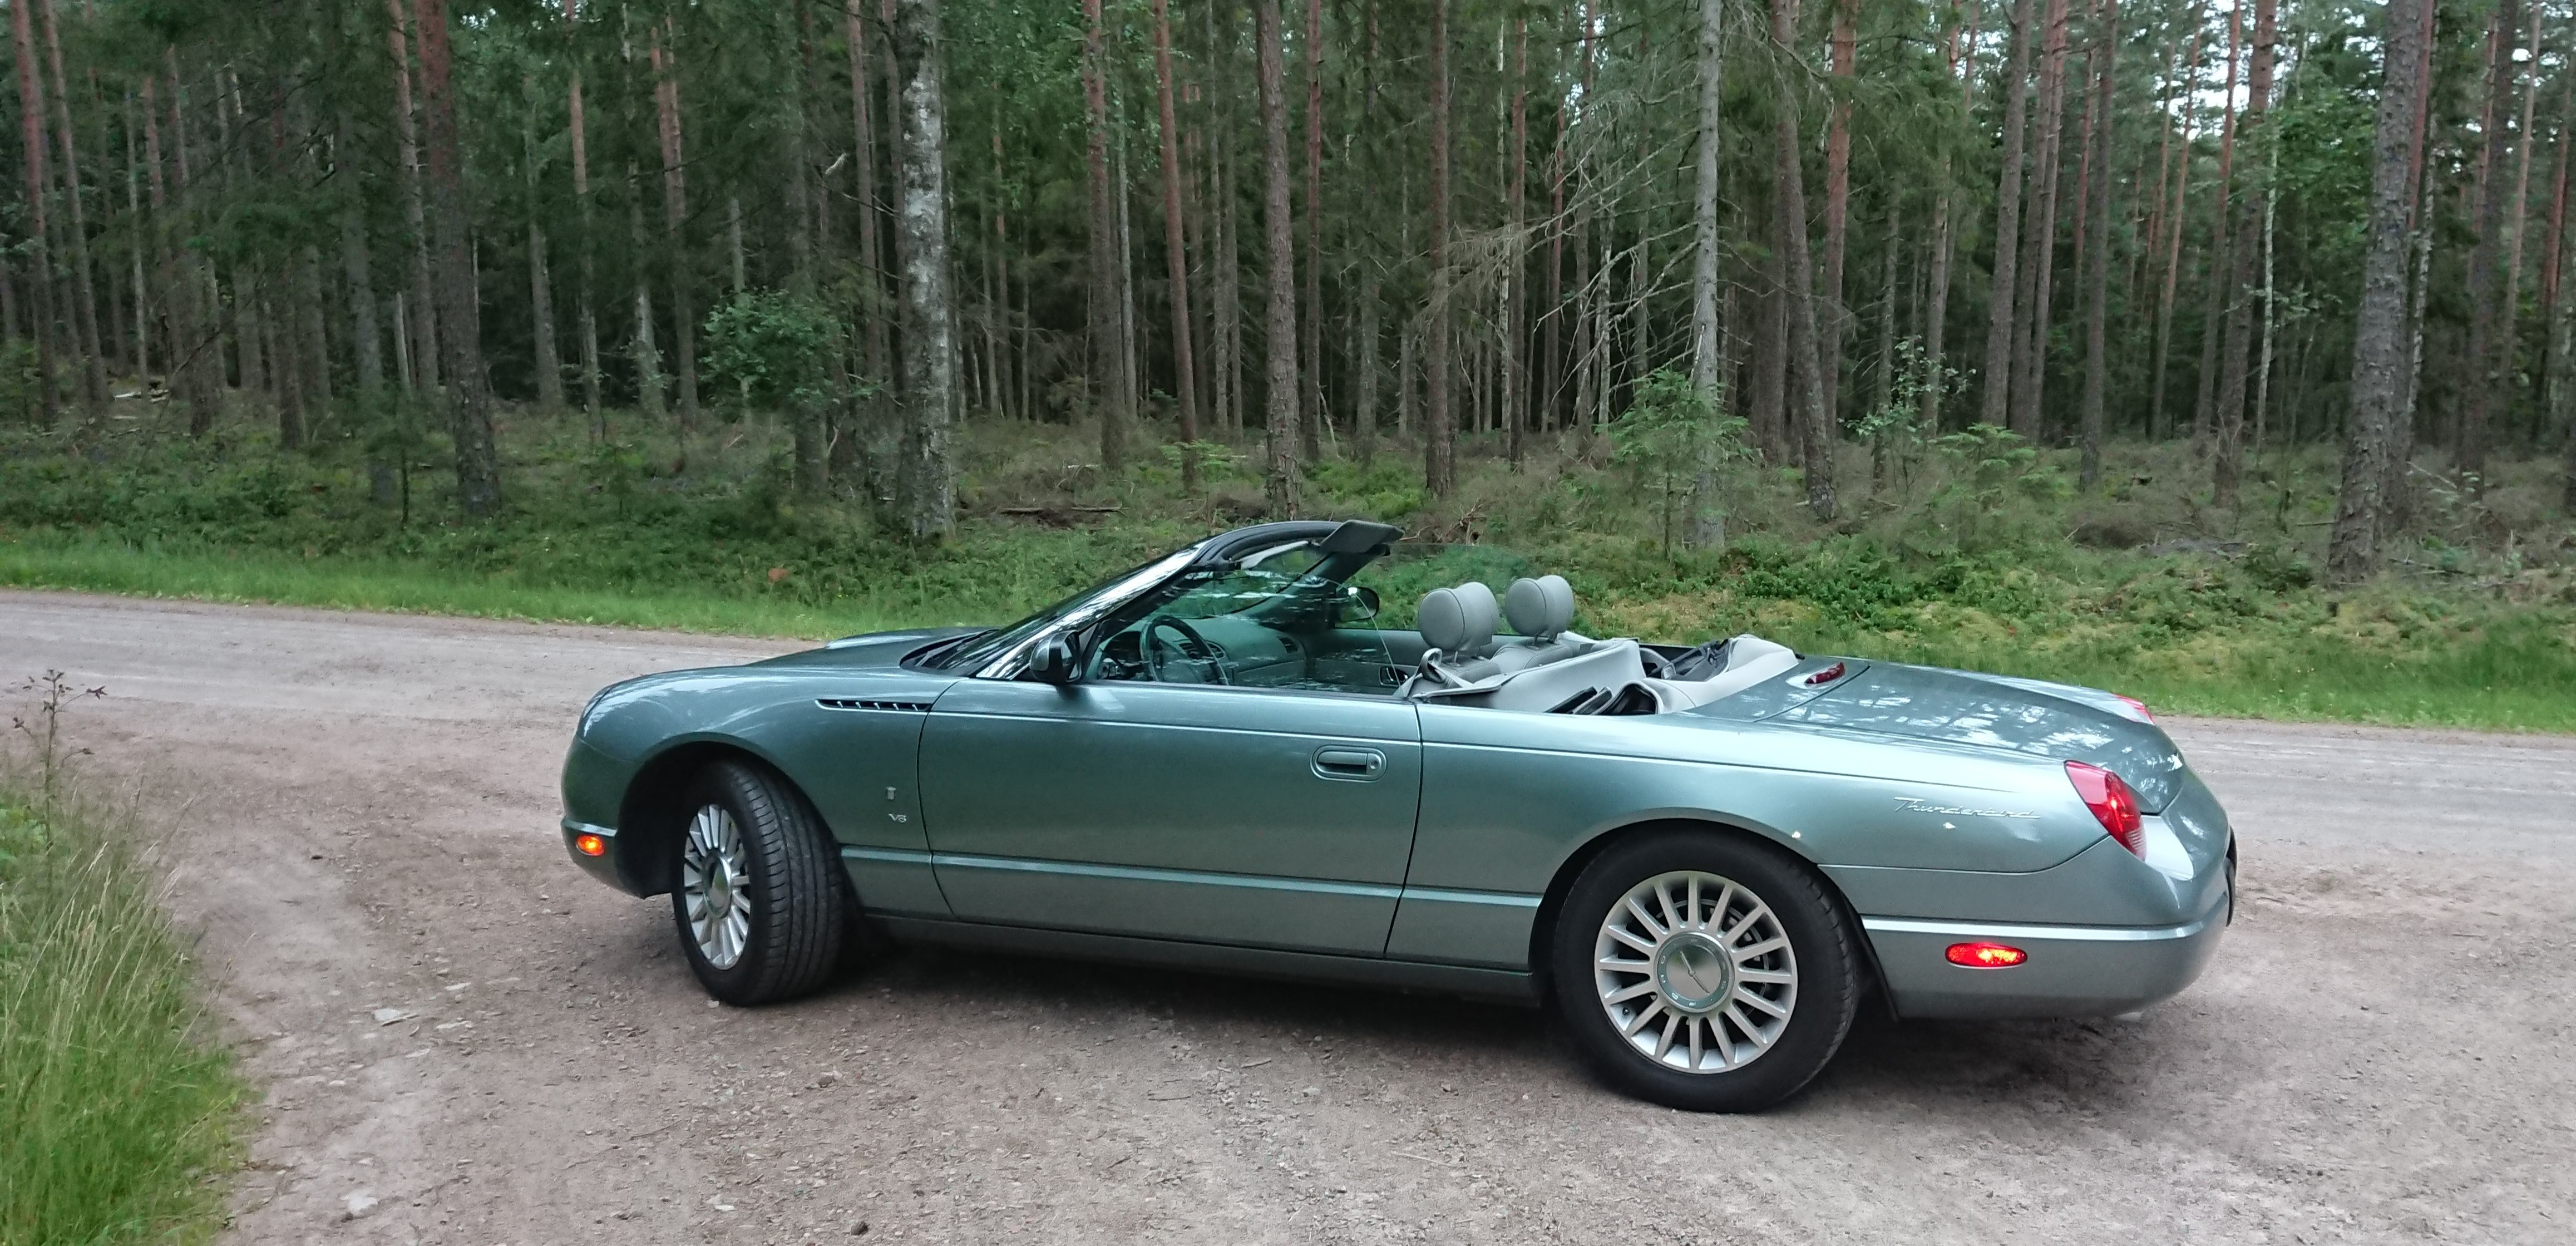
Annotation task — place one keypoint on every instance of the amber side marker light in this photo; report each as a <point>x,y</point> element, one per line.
<point>1985,955</point>
<point>590,845</point>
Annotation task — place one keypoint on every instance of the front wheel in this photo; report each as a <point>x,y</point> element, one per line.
<point>760,901</point>
<point>1704,971</point>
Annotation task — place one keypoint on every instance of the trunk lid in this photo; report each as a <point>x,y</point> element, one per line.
<point>2029,716</point>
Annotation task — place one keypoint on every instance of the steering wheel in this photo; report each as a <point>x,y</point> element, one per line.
<point>1194,648</point>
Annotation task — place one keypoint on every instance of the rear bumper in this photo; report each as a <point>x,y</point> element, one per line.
<point>2073,971</point>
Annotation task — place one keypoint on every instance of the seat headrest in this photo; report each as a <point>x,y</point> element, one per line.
<point>1459,622</point>
<point>1540,608</point>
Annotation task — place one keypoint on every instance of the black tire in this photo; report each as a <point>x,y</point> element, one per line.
<point>801,912</point>
<point>1821,1000</point>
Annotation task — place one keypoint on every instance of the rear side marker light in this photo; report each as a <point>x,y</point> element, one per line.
<point>590,845</point>
<point>2112,803</point>
<point>2138,705</point>
<point>1985,955</point>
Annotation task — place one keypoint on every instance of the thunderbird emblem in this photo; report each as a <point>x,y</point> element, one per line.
<point>1916,804</point>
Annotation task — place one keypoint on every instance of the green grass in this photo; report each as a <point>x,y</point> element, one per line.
<point>118,1110</point>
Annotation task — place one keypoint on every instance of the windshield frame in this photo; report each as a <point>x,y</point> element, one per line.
<point>1003,653</point>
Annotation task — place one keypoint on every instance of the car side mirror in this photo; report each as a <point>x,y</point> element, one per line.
<point>1367,598</point>
<point>1051,661</point>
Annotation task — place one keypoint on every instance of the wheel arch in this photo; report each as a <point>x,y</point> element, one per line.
<point>649,817</point>
<point>1552,901</point>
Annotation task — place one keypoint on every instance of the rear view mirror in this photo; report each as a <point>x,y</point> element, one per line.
<point>1051,661</point>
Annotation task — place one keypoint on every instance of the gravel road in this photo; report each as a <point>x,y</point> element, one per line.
<point>362,811</point>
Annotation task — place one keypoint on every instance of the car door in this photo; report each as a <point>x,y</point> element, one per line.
<point>1245,816</point>
<point>1182,802</point>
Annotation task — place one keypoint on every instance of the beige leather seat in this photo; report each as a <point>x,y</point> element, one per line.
<point>1749,661</point>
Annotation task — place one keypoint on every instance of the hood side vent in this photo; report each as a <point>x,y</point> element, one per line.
<point>847,703</point>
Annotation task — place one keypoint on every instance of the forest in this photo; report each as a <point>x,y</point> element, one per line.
<point>840,299</point>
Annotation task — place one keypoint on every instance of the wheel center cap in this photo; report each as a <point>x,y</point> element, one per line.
<point>1693,972</point>
<point>719,896</point>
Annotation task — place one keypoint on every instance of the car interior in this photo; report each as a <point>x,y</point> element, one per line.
<point>1290,617</point>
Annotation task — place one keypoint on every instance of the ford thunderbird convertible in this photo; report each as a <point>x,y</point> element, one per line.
<point>1308,749</point>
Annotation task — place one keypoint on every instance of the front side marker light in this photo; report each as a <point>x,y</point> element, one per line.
<point>1985,955</point>
<point>590,845</point>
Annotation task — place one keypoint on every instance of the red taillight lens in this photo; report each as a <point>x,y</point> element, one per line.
<point>590,845</point>
<point>1985,955</point>
<point>2138,705</point>
<point>2112,803</point>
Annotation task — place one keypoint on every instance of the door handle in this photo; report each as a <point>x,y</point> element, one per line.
<point>1349,763</point>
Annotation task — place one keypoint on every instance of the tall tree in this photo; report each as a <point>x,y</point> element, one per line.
<point>2039,233</point>
<point>1996,408</point>
<point>2379,322</point>
<point>1835,320</point>
<point>1959,48</point>
<point>675,215</point>
<point>2172,229</point>
<point>1106,321</point>
<point>586,315</point>
<point>2226,459</point>
<point>929,307</point>
<point>1185,378</point>
<point>1280,278</point>
<point>84,290</point>
<point>1311,355</point>
<point>1712,88</point>
<point>2097,312</point>
<point>31,118</point>
<point>1814,433</point>
<point>422,318</point>
<point>2488,347</point>
<point>1440,431</point>
<point>460,317</point>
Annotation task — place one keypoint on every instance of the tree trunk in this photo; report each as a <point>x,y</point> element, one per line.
<point>2379,321</point>
<point>1712,84</point>
<point>1185,385</point>
<point>2215,269</point>
<point>1515,405</point>
<point>469,394</point>
<point>2229,421</point>
<point>358,271</point>
<point>921,240</point>
<point>2039,237</point>
<point>876,432</point>
<point>541,304</point>
<point>1108,366</point>
<point>2553,246</point>
<point>424,308</point>
<point>199,366</point>
<point>1768,385</point>
<point>1936,316</point>
<point>586,313</point>
<point>1833,317</point>
<point>1815,425</point>
<point>2158,428</point>
<point>31,114</point>
<point>2097,312</point>
<point>2516,220</point>
<point>675,217</point>
<point>1440,424</point>
<point>1280,248</point>
<point>1311,416</point>
<point>1996,408</point>
<point>1364,397</point>
<point>84,288</point>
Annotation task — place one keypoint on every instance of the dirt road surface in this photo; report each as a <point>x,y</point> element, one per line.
<point>363,814</point>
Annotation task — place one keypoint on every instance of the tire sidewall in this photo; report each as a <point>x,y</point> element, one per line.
<point>735,789</point>
<point>1819,938</point>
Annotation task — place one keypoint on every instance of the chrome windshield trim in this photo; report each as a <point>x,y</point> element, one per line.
<point>1010,662</point>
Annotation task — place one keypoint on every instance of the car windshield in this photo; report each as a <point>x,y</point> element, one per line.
<point>982,647</point>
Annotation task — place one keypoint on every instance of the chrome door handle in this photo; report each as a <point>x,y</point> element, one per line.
<point>1349,763</point>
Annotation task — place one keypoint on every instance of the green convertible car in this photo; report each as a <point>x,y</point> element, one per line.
<point>1305,749</point>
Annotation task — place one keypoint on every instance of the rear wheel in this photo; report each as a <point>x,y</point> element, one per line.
<point>1704,971</point>
<point>760,901</point>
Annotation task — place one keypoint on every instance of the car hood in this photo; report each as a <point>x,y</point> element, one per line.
<point>2017,715</point>
<point>873,649</point>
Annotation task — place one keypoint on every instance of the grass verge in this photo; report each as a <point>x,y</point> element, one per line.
<point>118,1110</point>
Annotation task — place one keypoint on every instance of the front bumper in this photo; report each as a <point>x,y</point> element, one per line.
<point>602,867</point>
<point>2073,971</point>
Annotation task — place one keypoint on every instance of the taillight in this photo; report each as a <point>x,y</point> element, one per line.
<point>2112,803</point>
<point>2138,705</point>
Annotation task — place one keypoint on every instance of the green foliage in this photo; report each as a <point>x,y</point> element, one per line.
<point>119,1110</point>
<point>775,347</point>
<point>1676,438</point>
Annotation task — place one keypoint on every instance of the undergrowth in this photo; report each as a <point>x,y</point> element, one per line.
<point>1968,550</point>
<point>118,1109</point>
